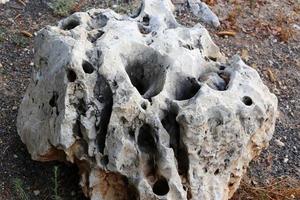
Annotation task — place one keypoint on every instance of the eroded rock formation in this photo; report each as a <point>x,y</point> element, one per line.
<point>147,108</point>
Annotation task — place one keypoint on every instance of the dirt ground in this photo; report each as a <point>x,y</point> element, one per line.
<point>266,33</point>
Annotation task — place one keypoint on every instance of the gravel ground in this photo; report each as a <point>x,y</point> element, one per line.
<point>267,38</point>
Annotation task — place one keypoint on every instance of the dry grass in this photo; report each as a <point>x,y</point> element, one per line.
<point>285,188</point>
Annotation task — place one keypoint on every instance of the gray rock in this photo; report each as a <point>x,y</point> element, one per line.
<point>201,10</point>
<point>147,108</point>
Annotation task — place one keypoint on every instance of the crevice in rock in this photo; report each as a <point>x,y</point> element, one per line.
<point>188,46</point>
<point>174,130</point>
<point>147,139</point>
<point>77,129</point>
<point>104,160</point>
<point>93,37</point>
<point>53,101</point>
<point>81,107</point>
<point>172,127</point>
<point>104,95</point>
<point>144,29</point>
<point>71,24</point>
<point>186,89</point>
<point>217,81</point>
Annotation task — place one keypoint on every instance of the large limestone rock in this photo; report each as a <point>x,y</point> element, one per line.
<point>147,108</point>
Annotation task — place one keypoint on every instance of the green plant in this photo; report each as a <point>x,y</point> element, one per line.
<point>18,187</point>
<point>55,181</point>
<point>63,7</point>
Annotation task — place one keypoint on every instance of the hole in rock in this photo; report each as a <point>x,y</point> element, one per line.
<point>131,133</point>
<point>217,172</point>
<point>71,24</point>
<point>247,101</point>
<point>104,95</point>
<point>230,184</point>
<point>217,81</point>
<point>101,20</point>
<point>53,100</point>
<point>71,75</point>
<point>144,105</point>
<point>186,89</point>
<point>222,67</point>
<point>147,74</point>
<point>143,29</point>
<point>146,20</point>
<point>161,187</point>
<point>147,139</point>
<point>87,67</point>
<point>93,37</point>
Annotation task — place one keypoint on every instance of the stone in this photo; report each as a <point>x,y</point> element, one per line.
<point>203,12</point>
<point>279,143</point>
<point>3,1</point>
<point>147,108</point>
<point>36,192</point>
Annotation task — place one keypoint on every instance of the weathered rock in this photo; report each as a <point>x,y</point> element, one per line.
<point>201,10</point>
<point>3,1</point>
<point>147,108</point>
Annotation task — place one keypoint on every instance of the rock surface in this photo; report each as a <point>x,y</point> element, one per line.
<point>201,10</point>
<point>147,108</point>
<point>3,1</point>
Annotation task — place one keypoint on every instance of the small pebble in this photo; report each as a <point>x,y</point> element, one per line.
<point>285,160</point>
<point>15,156</point>
<point>36,192</point>
<point>279,143</point>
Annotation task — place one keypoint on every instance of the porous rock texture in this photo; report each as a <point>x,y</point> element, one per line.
<point>147,108</point>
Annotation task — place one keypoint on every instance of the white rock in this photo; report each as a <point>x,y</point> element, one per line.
<point>147,108</point>
<point>36,192</point>
<point>3,1</point>
<point>279,143</point>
